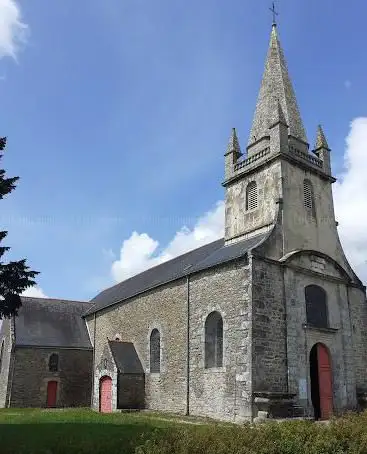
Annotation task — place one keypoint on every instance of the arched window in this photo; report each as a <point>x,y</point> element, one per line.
<point>155,351</point>
<point>316,306</point>
<point>308,197</point>
<point>53,363</point>
<point>214,340</point>
<point>1,355</point>
<point>251,196</point>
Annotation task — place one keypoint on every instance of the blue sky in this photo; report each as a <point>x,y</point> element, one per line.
<point>118,113</point>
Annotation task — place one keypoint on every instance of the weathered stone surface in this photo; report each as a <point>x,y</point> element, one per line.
<point>31,375</point>
<point>6,337</point>
<point>223,393</point>
<point>165,309</point>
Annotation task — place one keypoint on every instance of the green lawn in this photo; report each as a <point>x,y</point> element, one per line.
<point>77,431</point>
<point>83,431</point>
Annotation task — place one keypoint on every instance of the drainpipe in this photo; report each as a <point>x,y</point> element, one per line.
<point>280,202</point>
<point>94,358</point>
<point>188,347</point>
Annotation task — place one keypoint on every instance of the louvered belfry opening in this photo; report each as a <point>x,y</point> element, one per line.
<point>251,196</point>
<point>308,195</point>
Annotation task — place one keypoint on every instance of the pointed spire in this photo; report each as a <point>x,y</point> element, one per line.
<point>233,144</point>
<point>321,141</point>
<point>276,84</point>
<point>277,115</point>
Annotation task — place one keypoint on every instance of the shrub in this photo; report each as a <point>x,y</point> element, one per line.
<point>347,435</point>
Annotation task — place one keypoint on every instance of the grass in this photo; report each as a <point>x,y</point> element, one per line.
<point>71,431</point>
<point>84,431</point>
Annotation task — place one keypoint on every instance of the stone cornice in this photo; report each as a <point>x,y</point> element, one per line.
<point>290,157</point>
<point>307,271</point>
<point>309,327</point>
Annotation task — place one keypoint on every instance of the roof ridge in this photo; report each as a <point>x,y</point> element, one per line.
<point>59,300</point>
<point>217,253</point>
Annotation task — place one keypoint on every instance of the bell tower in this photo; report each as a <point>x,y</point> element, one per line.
<point>277,180</point>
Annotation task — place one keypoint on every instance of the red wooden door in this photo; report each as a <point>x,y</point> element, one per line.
<point>105,395</point>
<point>325,382</point>
<point>51,393</point>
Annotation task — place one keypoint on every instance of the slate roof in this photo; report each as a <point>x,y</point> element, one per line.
<point>45,322</point>
<point>126,358</point>
<point>204,257</point>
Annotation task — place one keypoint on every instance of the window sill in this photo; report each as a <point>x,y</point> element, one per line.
<point>309,327</point>
<point>252,210</point>
<point>214,370</point>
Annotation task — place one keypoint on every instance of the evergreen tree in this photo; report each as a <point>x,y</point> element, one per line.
<point>15,277</point>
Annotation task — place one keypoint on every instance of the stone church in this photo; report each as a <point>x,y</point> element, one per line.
<point>269,321</point>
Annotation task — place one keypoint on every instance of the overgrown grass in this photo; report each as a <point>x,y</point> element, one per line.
<point>83,431</point>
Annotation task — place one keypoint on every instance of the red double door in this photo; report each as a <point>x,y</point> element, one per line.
<point>105,395</point>
<point>325,381</point>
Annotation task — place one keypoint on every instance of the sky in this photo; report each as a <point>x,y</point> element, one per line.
<point>118,114</point>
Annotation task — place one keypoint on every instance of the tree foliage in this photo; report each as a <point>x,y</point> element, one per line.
<point>15,277</point>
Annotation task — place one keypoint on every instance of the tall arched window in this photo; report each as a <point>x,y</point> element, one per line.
<point>1,355</point>
<point>251,196</point>
<point>53,363</point>
<point>214,340</point>
<point>155,351</point>
<point>308,197</point>
<point>316,306</point>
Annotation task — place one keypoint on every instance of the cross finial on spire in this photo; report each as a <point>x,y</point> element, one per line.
<point>274,13</point>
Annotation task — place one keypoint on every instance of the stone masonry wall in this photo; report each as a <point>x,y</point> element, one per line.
<point>31,375</point>
<point>269,366</point>
<point>5,336</point>
<point>225,392</point>
<point>238,221</point>
<point>301,231</point>
<point>165,309</point>
<point>301,340</point>
<point>358,311</point>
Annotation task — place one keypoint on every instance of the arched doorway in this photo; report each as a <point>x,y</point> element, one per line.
<point>105,395</point>
<point>321,381</point>
<point>51,394</point>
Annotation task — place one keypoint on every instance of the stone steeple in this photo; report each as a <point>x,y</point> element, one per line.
<point>321,141</point>
<point>276,86</point>
<point>322,150</point>
<point>233,153</point>
<point>233,143</point>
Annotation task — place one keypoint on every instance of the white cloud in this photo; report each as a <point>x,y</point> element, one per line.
<point>138,252</point>
<point>13,32</point>
<point>34,292</point>
<point>350,196</point>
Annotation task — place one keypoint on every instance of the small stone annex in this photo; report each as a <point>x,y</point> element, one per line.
<point>269,321</point>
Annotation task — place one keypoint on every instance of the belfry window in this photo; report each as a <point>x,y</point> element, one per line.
<point>155,351</point>
<point>214,340</point>
<point>316,306</point>
<point>53,363</point>
<point>308,197</point>
<point>251,196</point>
